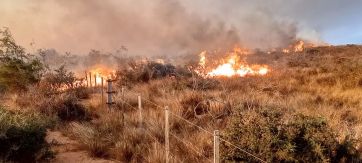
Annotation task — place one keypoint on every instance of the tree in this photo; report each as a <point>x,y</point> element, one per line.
<point>17,68</point>
<point>61,77</point>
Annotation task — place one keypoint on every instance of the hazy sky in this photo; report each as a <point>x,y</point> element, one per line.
<point>178,26</point>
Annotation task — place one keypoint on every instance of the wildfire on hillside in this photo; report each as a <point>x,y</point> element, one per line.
<point>299,46</point>
<point>233,64</point>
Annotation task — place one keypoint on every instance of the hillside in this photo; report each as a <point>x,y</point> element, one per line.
<point>308,108</point>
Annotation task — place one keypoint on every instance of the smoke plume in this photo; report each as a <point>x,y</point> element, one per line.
<point>161,27</point>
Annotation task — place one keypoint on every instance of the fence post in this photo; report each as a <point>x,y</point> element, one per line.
<point>95,83</point>
<point>167,140</point>
<point>110,92</point>
<point>86,77</point>
<point>102,91</point>
<point>140,110</point>
<point>123,97</point>
<point>90,79</point>
<point>216,147</point>
<point>95,80</point>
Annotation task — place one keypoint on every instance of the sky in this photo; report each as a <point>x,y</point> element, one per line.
<point>179,26</point>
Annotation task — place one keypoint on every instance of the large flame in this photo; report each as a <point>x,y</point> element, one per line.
<point>99,73</point>
<point>202,61</point>
<point>298,46</point>
<point>233,66</point>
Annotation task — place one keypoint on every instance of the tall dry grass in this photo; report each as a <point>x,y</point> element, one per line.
<point>322,82</point>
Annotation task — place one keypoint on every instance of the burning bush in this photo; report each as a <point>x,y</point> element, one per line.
<point>264,132</point>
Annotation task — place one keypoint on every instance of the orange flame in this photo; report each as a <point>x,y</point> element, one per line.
<point>234,66</point>
<point>102,72</point>
<point>296,47</point>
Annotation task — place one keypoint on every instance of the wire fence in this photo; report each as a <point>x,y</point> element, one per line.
<point>187,144</point>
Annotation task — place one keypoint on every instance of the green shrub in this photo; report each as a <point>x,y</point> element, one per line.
<point>58,79</point>
<point>270,135</point>
<point>17,69</point>
<point>22,136</point>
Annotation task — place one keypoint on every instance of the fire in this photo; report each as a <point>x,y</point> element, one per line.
<point>234,66</point>
<point>286,50</point>
<point>296,47</point>
<point>100,73</point>
<point>202,62</point>
<point>299,46</point>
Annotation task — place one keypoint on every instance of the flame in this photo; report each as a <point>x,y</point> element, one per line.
<point>101,73</point>
<point>299,47</point>
<point>286,51</point>
<point>296,47</point>
<point>234,66</point>
<point>202,62</point>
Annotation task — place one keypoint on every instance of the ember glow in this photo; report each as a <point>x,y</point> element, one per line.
<point>233,66</point>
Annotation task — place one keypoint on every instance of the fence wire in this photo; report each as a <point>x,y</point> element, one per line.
<point>189,144</point>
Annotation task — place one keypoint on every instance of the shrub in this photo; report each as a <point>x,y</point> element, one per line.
<point>200,83</point>
<point>22,136</point>
<point>193,105</point>
<point>112,138</point>
<point>67,108</point>
<point>267,134</point>
<point>17,69</point>
<point>61,78</point>
<point>81,92</point>
<point>144,72</point>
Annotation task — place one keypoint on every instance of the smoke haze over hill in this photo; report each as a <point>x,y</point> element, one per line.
<point>170,26</point>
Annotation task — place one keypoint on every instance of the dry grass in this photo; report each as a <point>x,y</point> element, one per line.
<point>320,82</point>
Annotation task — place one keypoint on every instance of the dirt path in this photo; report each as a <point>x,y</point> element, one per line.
<point>68,151</point>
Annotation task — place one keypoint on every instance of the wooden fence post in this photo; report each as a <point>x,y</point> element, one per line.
<point>167,139</point>
<point>140,110</point>
<point>123,97</point>
<point>102,91</point>
<point>95,80</point>
<point>95,83</point>
<point>90,80</point>
<point>86,78</point>
<point>216,147</point>
<point>110,92</point>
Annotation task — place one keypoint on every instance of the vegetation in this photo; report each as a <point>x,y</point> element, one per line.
<point>307,109</point>
<point>22,136</point>
<point>17,69</point>
<point>269,135</point>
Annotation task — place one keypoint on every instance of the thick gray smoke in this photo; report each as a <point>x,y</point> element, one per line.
<point>162,27</point>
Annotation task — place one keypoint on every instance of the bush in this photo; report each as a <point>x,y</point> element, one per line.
<point>194,105</point>
<point>61,78</point>
<point>22,136</point>
<point>66,107</point>
<point>17,69</point>
<point>144,72</point>
<point>301,138</point>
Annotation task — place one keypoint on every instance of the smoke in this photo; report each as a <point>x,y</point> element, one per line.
<point>160,27</point>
